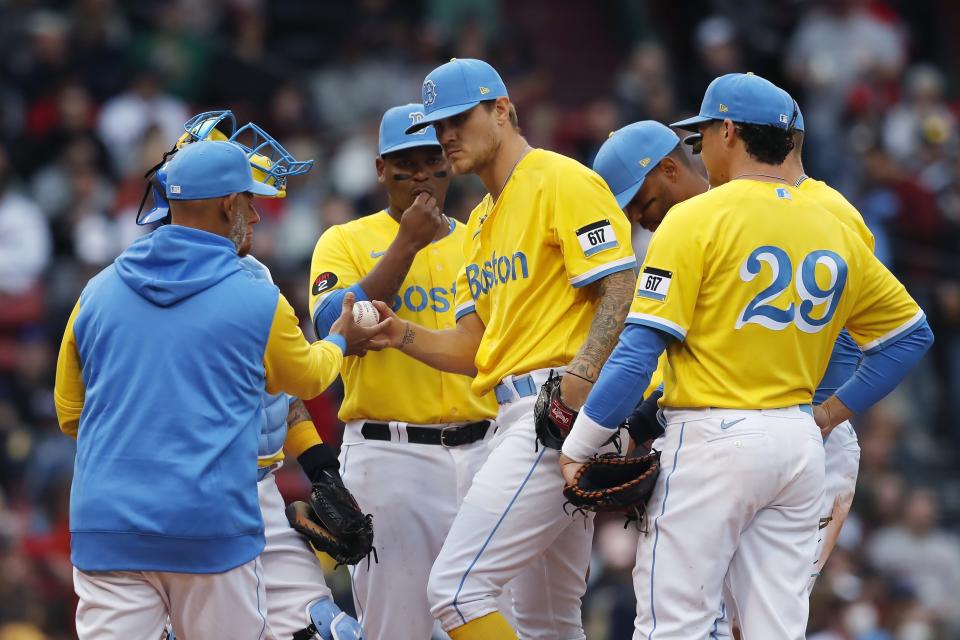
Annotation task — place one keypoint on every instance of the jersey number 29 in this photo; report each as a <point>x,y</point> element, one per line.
<point>811,294</point>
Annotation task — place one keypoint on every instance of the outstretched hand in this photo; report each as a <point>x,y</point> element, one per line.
<point>359,339</point>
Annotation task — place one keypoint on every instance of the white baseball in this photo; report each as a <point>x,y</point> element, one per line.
<point>365,314</point>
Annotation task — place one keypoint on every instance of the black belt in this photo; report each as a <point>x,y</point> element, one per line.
<point>454,436</point>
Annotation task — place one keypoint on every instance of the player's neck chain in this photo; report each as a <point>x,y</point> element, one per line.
<point>760,175</point>
<point>523,154</point>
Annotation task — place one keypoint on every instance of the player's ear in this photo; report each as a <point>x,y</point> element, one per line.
<point>669,168</point>
<point>729,132</point>
<point>381,165</point>
<point>502,107</point>
<point>228,205</point>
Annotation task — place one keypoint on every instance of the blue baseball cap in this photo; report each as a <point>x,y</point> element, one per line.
<point>798,121</point>
<point>393,129</point>
<point>630,153</point>
<point>458,86</point>
<point>212,169</point>
<point>746,98</point>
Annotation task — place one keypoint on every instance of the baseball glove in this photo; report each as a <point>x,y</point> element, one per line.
<point>333,521</point>
<point>643,424</point>
<point>553,419</point>
<point>610,482</point>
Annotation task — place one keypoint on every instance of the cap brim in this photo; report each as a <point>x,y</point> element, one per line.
<point>691,124</point>
<point>410,144</point>
<point>260,189</point>
<point>154,215</point>
<point>624,197</point>
<point>440,114</point>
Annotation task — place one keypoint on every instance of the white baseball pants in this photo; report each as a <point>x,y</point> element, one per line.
<point>118,605</point>
<point>413,492</point>
<point>735,510</point>
<point>512,526</point>
<point>293,576</point>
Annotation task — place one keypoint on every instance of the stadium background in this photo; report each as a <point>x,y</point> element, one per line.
<point>92,92</point>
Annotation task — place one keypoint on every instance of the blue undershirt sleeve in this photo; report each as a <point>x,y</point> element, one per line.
<point>881,371</point>
<point>844,359</point>
<point>625,375</point>
<point>328,310</point>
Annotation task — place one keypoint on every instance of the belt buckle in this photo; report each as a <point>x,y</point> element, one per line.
<point>443,436</point>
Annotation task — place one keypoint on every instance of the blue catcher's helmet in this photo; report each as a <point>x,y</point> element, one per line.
<point>209,125</point>
<point>269,161</point>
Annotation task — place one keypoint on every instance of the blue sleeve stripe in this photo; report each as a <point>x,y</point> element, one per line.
<point>600,247</point>
<point>881,342</point>
<point>595,274</point>
<point>647,320</point>
<point>465,309</point>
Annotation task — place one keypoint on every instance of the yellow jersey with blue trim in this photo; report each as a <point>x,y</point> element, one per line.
<point>834,202</point>
<point>755,280</point>
<point>530,256</point>
<point>389,385</point>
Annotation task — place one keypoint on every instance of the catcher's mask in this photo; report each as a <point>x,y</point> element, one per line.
<point>270,162</point>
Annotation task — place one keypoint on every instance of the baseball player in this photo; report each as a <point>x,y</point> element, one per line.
<point>299,603</point>
<point>746,287</point>
<point>649,173</point>
<point>411,430</point>
<point>549,270</point>
<point>164,519</point>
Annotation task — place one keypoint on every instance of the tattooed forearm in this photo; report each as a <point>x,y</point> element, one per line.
<point>615,292</point>
<point>408,336</point>
<point>298,413</point>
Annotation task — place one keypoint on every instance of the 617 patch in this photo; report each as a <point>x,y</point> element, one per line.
<point>654,283</point>
<point>596,237</point>
<point>324,282</point>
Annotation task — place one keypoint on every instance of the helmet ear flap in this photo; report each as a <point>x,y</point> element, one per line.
<point>156,183</point>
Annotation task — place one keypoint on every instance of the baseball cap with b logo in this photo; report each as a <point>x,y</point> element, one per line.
<point>455,87</point>
<point>744,98</point>
<point>212,169</point>
<point>393,129</point>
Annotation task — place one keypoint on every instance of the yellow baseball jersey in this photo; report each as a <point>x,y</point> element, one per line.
<point>755,282</point>
<point>555,229</point>
<point>834,202</point>
<point>389,385</point>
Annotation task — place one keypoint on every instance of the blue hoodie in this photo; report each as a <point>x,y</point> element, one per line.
<point>171,338</point>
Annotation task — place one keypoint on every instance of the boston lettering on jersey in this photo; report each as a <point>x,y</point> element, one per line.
<point>416,298</point>
<point>496,270</point>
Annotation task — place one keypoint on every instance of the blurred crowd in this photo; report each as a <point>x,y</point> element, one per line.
<point>93,92</point>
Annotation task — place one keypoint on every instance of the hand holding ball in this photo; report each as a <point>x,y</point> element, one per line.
<point>365,314</point>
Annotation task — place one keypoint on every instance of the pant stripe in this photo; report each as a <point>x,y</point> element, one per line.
<point>656,528</point>
<point>259,610</point>
<point>353,569</point>
<point>543,450</point>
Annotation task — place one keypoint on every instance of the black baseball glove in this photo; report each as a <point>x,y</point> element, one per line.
<point>333,521</point>
<point>643,424</point>
<point>553,419</point>
<point>610,482</point>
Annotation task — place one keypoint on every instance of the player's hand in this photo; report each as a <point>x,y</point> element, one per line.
<point>421,222</point>
<point>394,334</point>
<point>360,339</point>
<point>574,391</point>
<point>569,469</point>
<point>829,414</point>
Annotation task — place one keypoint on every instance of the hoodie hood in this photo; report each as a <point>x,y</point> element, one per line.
<point>175,262</point>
